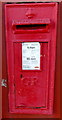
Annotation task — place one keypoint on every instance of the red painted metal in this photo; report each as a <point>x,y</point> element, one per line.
<point>31,91</point>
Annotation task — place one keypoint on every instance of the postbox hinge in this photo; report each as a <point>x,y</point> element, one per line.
<point>4,82</point>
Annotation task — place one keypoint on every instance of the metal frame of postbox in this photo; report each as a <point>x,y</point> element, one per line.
<point>10,54</point>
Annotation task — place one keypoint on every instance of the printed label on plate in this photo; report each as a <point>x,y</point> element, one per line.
<point>31,56</point>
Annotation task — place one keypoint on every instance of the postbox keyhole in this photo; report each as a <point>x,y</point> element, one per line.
<point>21,76</point>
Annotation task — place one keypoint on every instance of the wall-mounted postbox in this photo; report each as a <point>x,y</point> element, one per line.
<point>31,46</point>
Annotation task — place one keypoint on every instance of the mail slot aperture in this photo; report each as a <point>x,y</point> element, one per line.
<point>31,28</point>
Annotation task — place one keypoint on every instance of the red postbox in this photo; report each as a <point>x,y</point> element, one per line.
<point>31,45</point>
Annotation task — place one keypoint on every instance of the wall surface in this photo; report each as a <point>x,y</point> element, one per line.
<point>5,112</point>
<point>0,59</point>
<point>30,0</point>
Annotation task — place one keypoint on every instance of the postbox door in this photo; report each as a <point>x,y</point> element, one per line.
<point>31,84</point>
